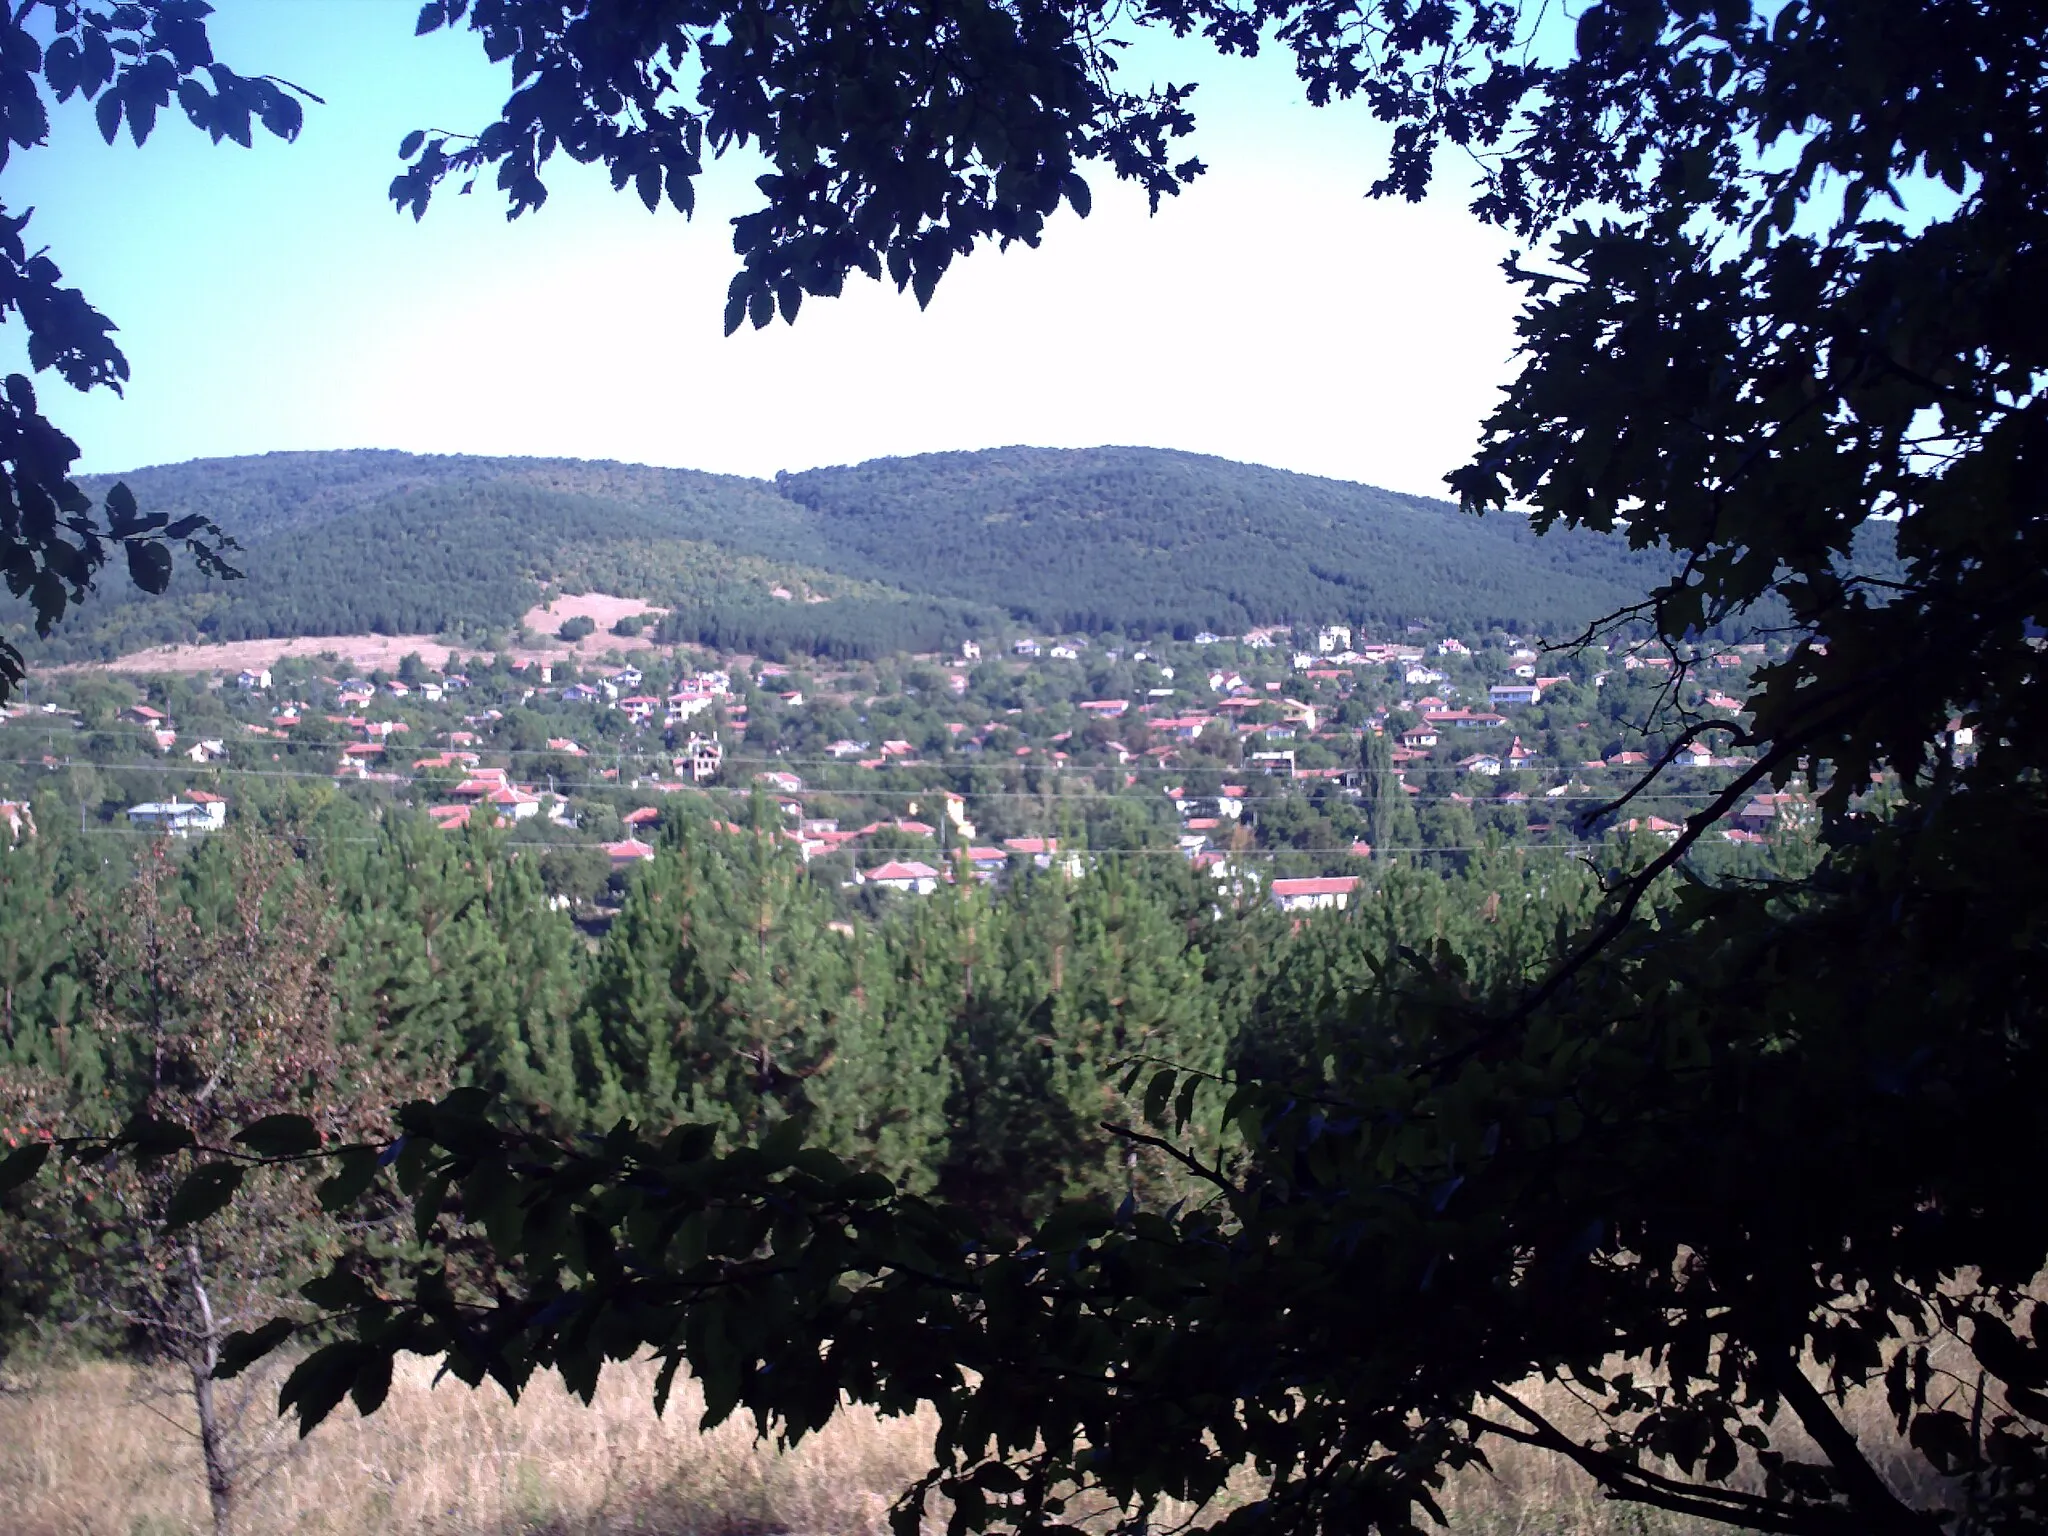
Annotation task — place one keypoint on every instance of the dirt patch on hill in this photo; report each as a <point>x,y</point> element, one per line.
<point>362,653</point>
<point>351,653</point>
<point>601,609</point>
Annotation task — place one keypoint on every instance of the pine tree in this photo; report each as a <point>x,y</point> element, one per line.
<point>1389,818</point>
<point>720,989</point>
<point>883,1100</point>
<point>1092,974</point>
<point>449,958</point>
<point>41,995</point>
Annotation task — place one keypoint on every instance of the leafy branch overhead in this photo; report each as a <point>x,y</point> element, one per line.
<point>132,62</point>
<point>899,136</point>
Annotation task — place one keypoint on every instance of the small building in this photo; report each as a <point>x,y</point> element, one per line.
<point>251,678</point>
<point>702,756</point>
<point>987,862</point>
<point>1319,893</point>
<point>906,875</point>
<point>16,817</point>
<point>514,804</point>
<point>628,852</point>
<point>198,812</point>
<point>1501,694</point>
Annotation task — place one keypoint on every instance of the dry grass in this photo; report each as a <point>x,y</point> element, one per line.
<point>83,1452</point>
<point>86,1451</point>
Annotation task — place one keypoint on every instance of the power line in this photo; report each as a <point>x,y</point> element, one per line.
<point>395,780</point>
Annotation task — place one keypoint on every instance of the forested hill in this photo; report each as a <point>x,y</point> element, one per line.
<point>892,554</point>
<point>1146,538</point>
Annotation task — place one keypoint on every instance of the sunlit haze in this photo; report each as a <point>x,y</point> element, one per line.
<point>272,299</point>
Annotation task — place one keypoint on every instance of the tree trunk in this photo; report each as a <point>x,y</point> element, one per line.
<point>201,1359</point>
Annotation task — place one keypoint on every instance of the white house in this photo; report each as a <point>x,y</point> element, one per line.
<point>1514,693</point>
<point>513,803</point>
<point>1333,637</point>
<point>251,678</point>
<point>1316,894</point>
<point>687,706</point>
<point>705,755</point>
<point>906,875</point>
<point>198,812</point>
<point>970,650</point>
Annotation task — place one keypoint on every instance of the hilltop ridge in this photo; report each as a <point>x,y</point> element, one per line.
<point>891,554</point>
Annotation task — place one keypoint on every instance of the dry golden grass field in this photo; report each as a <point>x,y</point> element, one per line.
<point>93,1451</point>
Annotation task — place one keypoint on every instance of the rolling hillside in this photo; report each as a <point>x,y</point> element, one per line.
<point>892,554</point>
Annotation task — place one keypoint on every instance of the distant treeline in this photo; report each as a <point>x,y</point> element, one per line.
<point>847,629</point>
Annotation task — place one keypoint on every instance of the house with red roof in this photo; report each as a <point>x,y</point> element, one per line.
<point>906,875</point>
<point>1319,893</point>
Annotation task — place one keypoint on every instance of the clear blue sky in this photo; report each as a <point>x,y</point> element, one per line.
<point>271,299</point>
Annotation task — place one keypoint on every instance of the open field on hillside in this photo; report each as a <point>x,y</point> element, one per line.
<point>601,608</point>
<point>363,653</point>
<point>366,652</point>
<point>90,1452</point>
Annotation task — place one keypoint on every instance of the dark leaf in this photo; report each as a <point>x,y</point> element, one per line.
<point>205,1190</point>
<point>280,1136</point>
<point>319,1383</point>
<point>121,513</point>
<point>357,1170</point>
<point>22,1164</point>
<point>149,565</point>
<point>239,1351</point>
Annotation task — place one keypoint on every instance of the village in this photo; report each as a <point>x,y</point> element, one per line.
<point>1250,756</point>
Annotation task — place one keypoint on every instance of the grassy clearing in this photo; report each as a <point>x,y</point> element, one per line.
<point>104,1450</point>
<point>94,1451</point>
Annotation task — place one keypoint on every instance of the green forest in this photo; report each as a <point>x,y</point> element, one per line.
<point>907,554</point>
<point>961,1044</point>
